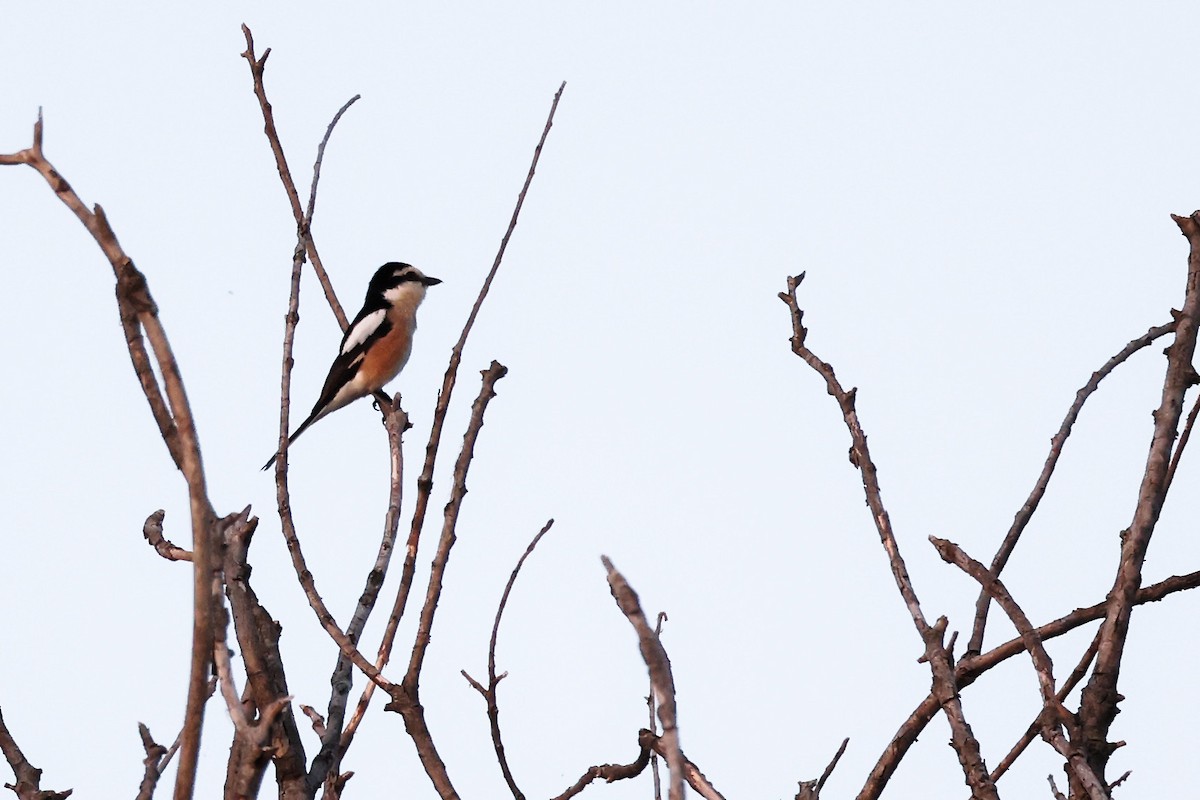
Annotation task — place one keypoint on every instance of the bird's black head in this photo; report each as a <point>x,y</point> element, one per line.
<point>394,274</point>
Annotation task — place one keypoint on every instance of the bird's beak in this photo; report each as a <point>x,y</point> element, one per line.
<point>428,281</point>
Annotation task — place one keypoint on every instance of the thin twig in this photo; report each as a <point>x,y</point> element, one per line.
<point>1183,440</point>
<point>406,697</point>
<point>489,693</point>
<point>1025,514</point>
<point>833,762</point>
<point>257,68</point>
<point>425,480</point>
<point>304,245</point>
<point>335,740</point>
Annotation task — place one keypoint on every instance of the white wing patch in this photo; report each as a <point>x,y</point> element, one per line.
<point>363,330</point>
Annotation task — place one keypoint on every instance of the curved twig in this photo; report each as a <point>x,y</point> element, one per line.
<point>489,693</point>
<point>139,317</point>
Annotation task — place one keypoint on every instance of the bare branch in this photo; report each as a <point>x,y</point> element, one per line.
<point>406,697</point>
<point>334,740</point>
<point>1100,697</point>
<point>936,653</point>
<point>659,665</point>
<point>968,670</point>
<point>489,693</point>
<point>157,758</point>
<point>1183,440</point>
<point>651,706</point>
<point>257,68</point>
<point>29,777</point>
<point>1039,489</point>
<point>614,772</point>
<point>425,480</point>
<point>860,454</point>
<point>264,725</point>
<point>139,314</point>
<point>152,530</point>
<point>811,790</point>
<point>691,773</point>
<point>1035,727</point>
<point>1055,716</point>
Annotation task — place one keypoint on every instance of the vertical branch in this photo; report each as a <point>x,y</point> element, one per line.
<point>406,696</point>
<point>335,741</point>
<point>655,656</point>
<point>1099,703</point>
<point>425,480</point>
<point>258,641</point>
<point>651,706</point>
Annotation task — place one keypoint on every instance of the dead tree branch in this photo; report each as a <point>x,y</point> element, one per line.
<point>1025,514</point>
<point>655,656</point>
<point>811,790</point>
<point>425,480</point>
<point>156,761</point>
<point>267,695</point>
<point>937,654</point>
<point>614,772</point>
<point>1035,727</point>
<point>406,696</point>
<point>489,693</point>
<point>969,670</point>
<point>303,221</point>
<point>1098,708</point>
<point>139,318</point>
<point>152,530</point>
<point>1054,717</point>
<point>28,777</point>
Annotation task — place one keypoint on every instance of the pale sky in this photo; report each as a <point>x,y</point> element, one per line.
<point>980,196</point>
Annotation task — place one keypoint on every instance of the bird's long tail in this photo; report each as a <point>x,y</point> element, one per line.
<point>313,417</point>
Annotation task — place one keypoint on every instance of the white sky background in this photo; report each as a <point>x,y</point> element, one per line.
<point>980,198</point>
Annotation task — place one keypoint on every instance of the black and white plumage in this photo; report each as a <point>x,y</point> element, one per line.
<point>377,344</point>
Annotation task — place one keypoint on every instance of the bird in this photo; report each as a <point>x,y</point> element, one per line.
<point>377,344</point>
